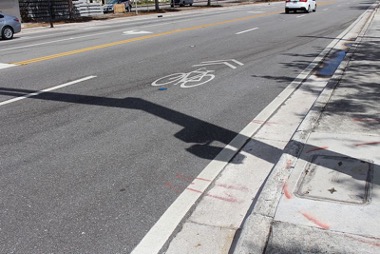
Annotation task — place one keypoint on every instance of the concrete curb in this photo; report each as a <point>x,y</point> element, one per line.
<point>257,228</point>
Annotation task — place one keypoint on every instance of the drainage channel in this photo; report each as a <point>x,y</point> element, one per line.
<point>331,64</point>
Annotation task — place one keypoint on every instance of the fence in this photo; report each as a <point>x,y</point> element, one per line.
<point>46,10</point>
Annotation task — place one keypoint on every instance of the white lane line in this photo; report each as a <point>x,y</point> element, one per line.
<point>256,12</point>
<point>4,66</point>
<point>325,9</point>
<point>46,90</point>
<point>301,16</point>
<point>249,30</point>
<point>159,235</point>
<point>136,32</point>
<point>50,42</point>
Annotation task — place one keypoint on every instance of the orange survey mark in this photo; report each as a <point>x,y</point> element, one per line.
<point>315,221</point>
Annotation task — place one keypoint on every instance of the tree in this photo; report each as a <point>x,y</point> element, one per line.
<point>156,5</point>
<point>51,13</point>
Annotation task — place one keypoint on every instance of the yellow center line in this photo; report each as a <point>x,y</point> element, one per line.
<point>107,45</point>
<point>145,37</point>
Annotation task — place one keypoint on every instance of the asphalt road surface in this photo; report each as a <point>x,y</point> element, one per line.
<point>98,138</point>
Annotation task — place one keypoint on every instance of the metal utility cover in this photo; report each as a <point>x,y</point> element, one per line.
<point>333,178</point>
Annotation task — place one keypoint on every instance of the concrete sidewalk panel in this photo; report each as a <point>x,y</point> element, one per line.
<point>288,238</point>
<point>256,234</point>
<point>191,240</point>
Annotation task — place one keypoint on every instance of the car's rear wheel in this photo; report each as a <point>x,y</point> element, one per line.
<point>7,33</point>
<point>308,9</point>
<point>286,10</point>
<point>315,8</point>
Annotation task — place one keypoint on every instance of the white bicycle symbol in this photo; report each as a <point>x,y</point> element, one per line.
<point>186,80</point>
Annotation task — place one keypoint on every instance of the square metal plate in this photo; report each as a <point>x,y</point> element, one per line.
<point>337,179</point>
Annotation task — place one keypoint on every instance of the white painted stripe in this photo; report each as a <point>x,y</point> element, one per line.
<point>249,30</point>
<point>50,42</point>
<point>136,32</point>
<point>301,16</point>
<point>255,12</point>
<point>4,66</point>
<point>160,233</point>
<point>46,90</point>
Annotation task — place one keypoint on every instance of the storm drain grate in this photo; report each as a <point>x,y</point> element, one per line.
<point>337,179</point>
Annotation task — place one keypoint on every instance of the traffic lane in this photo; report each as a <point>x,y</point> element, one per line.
<point>55,69</point>
<point>67,44</point>
<point>79,199</point>
<point>75,198</point>
<point>225,89</point>
<point>208,50</point>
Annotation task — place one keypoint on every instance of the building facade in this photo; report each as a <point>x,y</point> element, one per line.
<point>10,7</point>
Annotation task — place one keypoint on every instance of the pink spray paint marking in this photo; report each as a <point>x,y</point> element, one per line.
<point>366,119</point>
<point>202,179</point>
<point>315,221</point>
<point>369,242</point>
<point>263,122</point>
<point>183,178</point>
<point>233,187</point>
<point>368,143</point>
<point>172,187</point>
<point>226,186</point>
<point>288,164</point>
<point>317,149</point>
<point>229,199</point>
<point>286,191</point>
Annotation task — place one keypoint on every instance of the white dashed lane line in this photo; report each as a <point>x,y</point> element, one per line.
<point>249,30</point>
<point>4,66</point>
<point>45,90</point>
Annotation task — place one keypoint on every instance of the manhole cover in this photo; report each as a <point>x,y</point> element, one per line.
<point>333,178</point>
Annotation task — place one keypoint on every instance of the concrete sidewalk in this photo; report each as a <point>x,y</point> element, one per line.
<point>323,196</point>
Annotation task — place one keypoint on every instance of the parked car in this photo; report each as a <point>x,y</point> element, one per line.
<point>303,5</point>
<point>9,25</point>
<point>181,2</point>
<point>108,6</point>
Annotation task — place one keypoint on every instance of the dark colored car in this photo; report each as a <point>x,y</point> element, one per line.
<point>108,6</point>
<point>9,25</point>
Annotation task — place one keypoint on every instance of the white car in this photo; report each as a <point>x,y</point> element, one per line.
<point>304,5</point>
